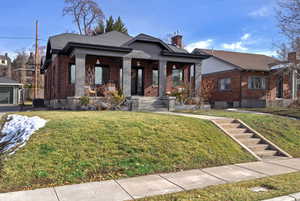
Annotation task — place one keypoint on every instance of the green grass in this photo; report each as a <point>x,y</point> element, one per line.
<point>278,185</point>
<point>282,131</point>
<point>290,112</point>
<point>77,147</point>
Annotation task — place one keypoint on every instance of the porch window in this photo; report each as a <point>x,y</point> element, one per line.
<point>101,75</point>
<point>256,82</point>
<point>225,84</point>
<point>155,77</point>
<point>177,77</point>
<point>72,73</point>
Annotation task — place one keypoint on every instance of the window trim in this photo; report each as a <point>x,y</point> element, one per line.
<point>180,80</point>
<point>257,76</point>
<point>153,84</point>
<point>219,84</point>
<point>101,66</point>
<point>70,73</point>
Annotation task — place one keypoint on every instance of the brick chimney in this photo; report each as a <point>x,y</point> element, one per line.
<point>177,41</point>
<point>294,57</point>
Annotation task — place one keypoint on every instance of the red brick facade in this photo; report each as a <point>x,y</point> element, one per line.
<point>239,89</point>
<point>57,84</point>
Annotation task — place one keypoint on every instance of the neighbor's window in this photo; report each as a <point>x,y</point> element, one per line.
<point>177,76</point>
<point>101,75</point>
<point>72,73</point>
<point>256,82</point>
<point>155,77</point>
<point>224,84</point>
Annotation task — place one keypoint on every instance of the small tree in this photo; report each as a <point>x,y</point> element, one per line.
<point>85,14</point>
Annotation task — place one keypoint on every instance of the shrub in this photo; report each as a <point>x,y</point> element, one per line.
<point>84,100</point>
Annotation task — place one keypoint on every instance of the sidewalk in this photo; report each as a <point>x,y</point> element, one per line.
<point>145,186</point>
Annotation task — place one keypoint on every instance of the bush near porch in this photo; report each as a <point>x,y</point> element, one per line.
<point>77,147</point>
<point>282,131</point>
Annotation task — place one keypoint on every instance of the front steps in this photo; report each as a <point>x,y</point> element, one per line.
<point>141,103</point>
<point>251,140</point>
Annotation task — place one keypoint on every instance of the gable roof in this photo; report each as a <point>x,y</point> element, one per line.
<point>7,81</point>
<point>245,61</point>
<point>112,39</point>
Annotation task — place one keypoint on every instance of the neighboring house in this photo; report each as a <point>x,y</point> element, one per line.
<point>5,66</point>
<point>234,79</point>
<point>23,72</point>
<point>141,66</point>
<point>9,91</point>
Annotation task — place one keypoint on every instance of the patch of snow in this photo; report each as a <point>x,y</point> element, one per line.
<point>17,131</point>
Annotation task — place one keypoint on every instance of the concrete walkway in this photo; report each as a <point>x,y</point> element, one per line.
<point>145,186</point>
<point>192,115</point>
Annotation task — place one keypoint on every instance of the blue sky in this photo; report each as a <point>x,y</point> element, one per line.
<point>237,25</point>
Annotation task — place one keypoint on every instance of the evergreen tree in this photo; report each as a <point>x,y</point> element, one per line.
<point>111,25</point>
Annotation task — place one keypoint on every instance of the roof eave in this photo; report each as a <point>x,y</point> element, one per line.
<point>186,55</point>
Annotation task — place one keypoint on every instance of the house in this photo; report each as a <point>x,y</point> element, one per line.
<point>234,79</point>
<point>23,72</point>
<point>5,66</point>
<point>141,66</point>
<point>9,91</point>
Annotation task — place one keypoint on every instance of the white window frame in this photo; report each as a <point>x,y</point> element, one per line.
<point>255,78</point>
<point>223,82</point>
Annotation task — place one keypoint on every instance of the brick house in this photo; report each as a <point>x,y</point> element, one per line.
<point>234,79</point>
<point>141,66</point>
<point>5,66</point>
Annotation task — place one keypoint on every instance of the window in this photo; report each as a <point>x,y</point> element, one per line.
<point>177,76</point>
<point>72,73</point>
<point>3,61</point>
<point>224,84</point>
<point>155,77</point>
<point>192,72</point>
<point>101,75</point>
<point>256,82</point>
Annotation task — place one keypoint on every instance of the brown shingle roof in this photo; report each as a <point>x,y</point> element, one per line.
<point>245,61</point>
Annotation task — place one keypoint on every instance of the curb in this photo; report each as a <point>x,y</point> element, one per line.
<point>291,197</point>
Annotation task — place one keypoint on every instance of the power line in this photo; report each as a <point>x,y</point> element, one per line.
<point>19,38</point>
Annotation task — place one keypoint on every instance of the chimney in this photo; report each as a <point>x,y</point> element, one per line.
<point>6,55</point>
<point>294,57</point>
<point>177,41</point>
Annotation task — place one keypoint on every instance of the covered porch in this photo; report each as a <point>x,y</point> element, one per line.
<point>96,75</point>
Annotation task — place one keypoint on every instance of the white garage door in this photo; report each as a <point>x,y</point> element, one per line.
<point>6,95</point>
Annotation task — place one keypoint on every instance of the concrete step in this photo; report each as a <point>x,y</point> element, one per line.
<point>250,141</point>
<point>237,130</point>
<point>259,147</point>
<point>266,153</point>
<point>224,121</point>
<point>231,125</point>
<point>243,135</point>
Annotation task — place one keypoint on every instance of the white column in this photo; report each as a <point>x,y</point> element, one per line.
<point>162,77</point>
<point>79,75</point>
<point>294,85</point>
<point>198,79</point>
<point>126,77</point>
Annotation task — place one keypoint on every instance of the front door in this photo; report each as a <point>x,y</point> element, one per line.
<point>137,81</point>
<point>279,87</point>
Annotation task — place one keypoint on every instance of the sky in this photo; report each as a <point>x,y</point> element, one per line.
<point>233,25</point>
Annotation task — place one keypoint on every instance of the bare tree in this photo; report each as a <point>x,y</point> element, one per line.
<point>288,16</point>
<point>85,13</point>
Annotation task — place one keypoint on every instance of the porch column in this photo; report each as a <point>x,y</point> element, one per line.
<point>79,75</point>
<point>127,76</point>
<point>198,79</point>
<point>162,77</point>
<point>294,85</point>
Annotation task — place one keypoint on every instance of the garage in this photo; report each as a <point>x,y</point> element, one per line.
<point>9,91</point>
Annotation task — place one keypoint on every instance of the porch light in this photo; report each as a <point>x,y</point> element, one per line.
<point>138,63</point>
<point>98,62</point>
<point>174,67</point>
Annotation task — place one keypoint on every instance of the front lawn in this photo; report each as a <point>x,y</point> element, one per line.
<point>278,185</point>
<point>290,112</point>
<point>77,147</point>
<point>282,131</point>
